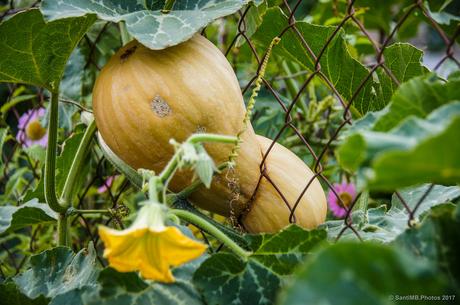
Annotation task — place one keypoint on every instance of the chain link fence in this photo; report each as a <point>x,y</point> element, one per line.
<point>289,120</point>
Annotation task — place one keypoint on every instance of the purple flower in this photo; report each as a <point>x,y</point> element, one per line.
<point>30,130</point>
<point>107,184</point>
<point>346,192</point>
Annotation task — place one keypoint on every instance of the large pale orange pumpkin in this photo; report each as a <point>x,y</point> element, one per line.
<point>143,98</point>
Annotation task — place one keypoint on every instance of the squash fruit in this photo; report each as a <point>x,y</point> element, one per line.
<point>142,98</point>
<point>268,212</point>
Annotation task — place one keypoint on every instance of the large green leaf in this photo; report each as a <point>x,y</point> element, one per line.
<point>35,52</point>
<point>381,224</point>
<point>225,278</point>
<point>282,252</point>
<point>404,62</point>
<point>433,160</point>
<point>72,79</point>
<point>362,273</point>
<point>144,20</point>
<point>30,213</point>
<point>57,271</point>
<point>129,289</point>
<point>437,239</point>
<point>345,72</point>
<point>10,295</point>
<point>419,97</point>
<point>406,155</point>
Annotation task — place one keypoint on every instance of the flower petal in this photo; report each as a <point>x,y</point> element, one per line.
<point>181,248</point>
<point>151,252</point>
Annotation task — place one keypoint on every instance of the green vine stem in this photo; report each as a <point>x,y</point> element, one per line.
<point>125,36</point>
<point>211,229</point>
<point>63,228</point>
<point>178,203</point>
<point>168,6</point>
<point>208,137</point>
<point>183,194</point>
<point>77,164</point>
<point>51,150</point>
<point>172,165</point>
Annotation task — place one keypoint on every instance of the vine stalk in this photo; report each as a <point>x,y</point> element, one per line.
<point>50,170</point>
<point>77,163</point>
<point>211,229</point>
<point>168,6</point>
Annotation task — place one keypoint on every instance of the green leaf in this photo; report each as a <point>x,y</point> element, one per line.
<point>352,153</point>
<point>57,271</point>
<point>441,16</point>
<point>439,194</point>
<point>253,20</point>
<point>405,62</point>
<point>384,225</point>
<point>3,134</point>
<point>129,289</point>
<point>362,273</point>
<point>204,166</point>
<point>35,52</point>
<point>437,240</point>
<point>433,160</point>
<point>419,97</point>
<point>16,183</point>
<point>336,61</point>
<point>38,192</point>
<point>30,213</point>
<point>398,158</point>
<point>64,161</point>
<point>345,72</point>
<point>225,278</point>
<point>72,80</point>
<point>14,101</point>
<point>36,152</point>
<point>282,252</point>
<point>145,21</point>
<point>9,294</point>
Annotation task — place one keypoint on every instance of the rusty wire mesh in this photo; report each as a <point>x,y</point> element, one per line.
<point>379,48</point>
<point>98,177</point>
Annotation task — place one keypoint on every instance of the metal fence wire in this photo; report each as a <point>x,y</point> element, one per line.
<point>118,208</point>
<point>379,48</point>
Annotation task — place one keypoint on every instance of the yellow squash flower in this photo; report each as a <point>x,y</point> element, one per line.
<point>149,246</point>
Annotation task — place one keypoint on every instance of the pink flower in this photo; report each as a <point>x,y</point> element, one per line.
<point>346,192</point>
<point>30,129</point>
<point>107,184</point>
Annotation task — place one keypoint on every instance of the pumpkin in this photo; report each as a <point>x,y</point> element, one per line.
<point>268,211</point>
<point>142,98</point>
